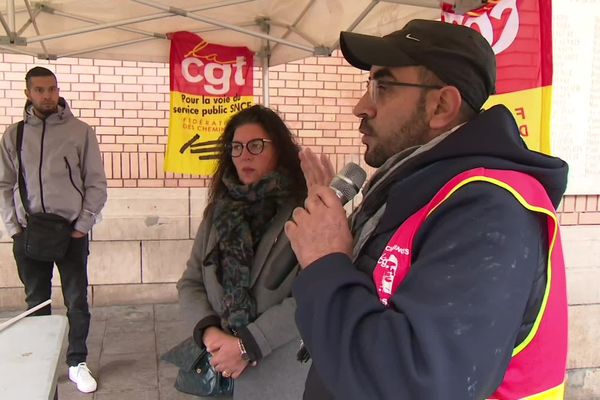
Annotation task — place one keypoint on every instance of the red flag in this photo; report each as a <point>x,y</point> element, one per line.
<point>209,83</point>
<point>520,32</point>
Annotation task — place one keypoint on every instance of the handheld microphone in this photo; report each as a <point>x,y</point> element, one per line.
<point>346,184</point>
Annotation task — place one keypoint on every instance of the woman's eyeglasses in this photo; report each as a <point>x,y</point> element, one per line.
<point>254,146</point>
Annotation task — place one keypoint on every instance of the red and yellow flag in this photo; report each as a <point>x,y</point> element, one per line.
<point>520,32</point>
<point>209,83</point>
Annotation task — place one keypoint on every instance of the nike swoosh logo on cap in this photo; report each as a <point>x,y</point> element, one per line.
<point>411,37</point>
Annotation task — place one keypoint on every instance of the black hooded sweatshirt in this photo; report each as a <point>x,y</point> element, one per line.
<point>474,289</point>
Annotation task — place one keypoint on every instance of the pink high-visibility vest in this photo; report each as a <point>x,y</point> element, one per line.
<point>538,366</point>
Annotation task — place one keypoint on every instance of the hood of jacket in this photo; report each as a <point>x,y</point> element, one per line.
<point>63,113</point>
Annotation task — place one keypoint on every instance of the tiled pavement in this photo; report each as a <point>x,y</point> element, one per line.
<point>125,343</point>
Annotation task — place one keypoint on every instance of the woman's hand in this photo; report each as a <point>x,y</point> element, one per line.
<point>226,356</point>
<point>212,338</point>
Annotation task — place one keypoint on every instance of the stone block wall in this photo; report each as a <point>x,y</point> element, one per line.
<point>137,252</point>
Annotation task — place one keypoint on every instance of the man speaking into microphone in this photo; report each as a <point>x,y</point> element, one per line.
<point>448,280</point>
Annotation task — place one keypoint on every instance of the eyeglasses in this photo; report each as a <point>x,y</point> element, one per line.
<point>254,146</point>
<point>374,86</point>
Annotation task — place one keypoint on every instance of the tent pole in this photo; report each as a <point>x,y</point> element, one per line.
<point>358,20</point>
<point>234,28</point>
<point>154,35</point>
<point>76,53</point>
<point>4,25</point>
<point>18,50</point>
<point>10,11</point>
<point>265,80</point>
<point>292,27</point>
<point>107,46</point>
<point>265,26</point>
<point>435,4</point>
<point>117,24</point>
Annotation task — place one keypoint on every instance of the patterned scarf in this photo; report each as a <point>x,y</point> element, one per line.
<point>241,217</point>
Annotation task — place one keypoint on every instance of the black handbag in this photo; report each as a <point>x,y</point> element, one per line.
<point>47,235</point>
<point>196,376</point>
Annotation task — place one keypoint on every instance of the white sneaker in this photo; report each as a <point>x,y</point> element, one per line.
<point>82,376</point>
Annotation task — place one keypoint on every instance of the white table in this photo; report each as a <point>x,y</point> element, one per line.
<point>30,352</point>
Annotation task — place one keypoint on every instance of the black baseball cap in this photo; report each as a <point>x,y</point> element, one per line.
<point>458,55</point>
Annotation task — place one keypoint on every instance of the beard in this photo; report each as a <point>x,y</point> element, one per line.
<point>413,132</point>
<point>45,110</point>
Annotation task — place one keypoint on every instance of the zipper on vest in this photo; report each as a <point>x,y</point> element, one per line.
<point>71,178</point>
<point>41,162</point>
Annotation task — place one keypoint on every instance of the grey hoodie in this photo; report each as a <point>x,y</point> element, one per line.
<point>62,167</point>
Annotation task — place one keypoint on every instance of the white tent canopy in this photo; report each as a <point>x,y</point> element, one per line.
<point>136,30</point>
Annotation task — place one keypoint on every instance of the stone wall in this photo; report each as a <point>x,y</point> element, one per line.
<point>582,253</point>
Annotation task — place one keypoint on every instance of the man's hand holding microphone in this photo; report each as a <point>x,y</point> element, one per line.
<point>321,226</point>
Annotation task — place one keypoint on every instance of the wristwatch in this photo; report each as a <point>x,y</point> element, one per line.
<point>244,354</point>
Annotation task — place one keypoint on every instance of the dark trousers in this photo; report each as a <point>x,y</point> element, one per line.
<point>37,276</point>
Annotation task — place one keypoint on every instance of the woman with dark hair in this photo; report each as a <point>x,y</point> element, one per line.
<point>248,329</point>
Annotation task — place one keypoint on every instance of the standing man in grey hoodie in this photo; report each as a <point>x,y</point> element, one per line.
<point>63,174</point>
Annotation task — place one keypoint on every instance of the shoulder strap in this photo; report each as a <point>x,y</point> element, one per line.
<point>22,187</point>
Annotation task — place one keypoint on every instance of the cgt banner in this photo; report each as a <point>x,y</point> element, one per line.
<point>209,83</point>
<point>520,32</point>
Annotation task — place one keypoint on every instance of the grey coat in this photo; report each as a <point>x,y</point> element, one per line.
<point>278,375</point>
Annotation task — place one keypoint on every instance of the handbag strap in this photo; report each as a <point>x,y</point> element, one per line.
<point>22,186</point>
